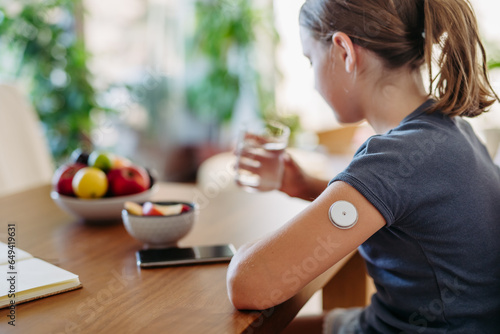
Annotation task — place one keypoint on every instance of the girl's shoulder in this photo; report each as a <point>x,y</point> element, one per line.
<point>428,133</point>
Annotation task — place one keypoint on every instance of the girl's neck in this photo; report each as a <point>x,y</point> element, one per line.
<point>393,97</point>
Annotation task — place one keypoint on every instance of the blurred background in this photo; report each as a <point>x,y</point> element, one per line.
<point>168,83</point>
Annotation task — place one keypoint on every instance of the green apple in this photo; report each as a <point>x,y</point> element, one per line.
<point>102,160</point>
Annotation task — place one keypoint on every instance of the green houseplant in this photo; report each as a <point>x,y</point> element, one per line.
<point>52,61</point>
<point>222,46</point>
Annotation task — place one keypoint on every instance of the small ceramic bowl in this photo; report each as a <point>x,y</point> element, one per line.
<point>160,231</point>
<point>102,209</point>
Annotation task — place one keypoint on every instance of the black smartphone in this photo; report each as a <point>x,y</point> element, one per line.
<point>179,256</point>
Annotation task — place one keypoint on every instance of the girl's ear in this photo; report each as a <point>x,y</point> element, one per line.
<point>344,45</point>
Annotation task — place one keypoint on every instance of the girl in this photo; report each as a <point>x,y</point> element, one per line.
<point>425,191</point>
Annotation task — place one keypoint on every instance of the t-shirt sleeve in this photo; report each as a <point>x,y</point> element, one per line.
<point>387,171</point>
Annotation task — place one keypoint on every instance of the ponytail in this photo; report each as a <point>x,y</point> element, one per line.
<point>461,87</point>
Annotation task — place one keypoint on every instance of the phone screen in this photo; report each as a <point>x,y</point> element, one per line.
<point>179,256</point>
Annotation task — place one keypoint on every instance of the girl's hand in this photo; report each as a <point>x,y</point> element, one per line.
<point>259,164</point>
<point>297,183</point>
<point>295,179</point>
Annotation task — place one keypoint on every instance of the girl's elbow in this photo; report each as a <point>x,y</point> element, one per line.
<point>239,291</point>
<point>244,292</point>
<point>239,300</point>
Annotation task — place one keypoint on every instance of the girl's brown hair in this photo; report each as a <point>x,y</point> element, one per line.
<point>404,34</point>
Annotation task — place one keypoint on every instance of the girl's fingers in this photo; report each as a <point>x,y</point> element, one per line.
<point>258,155</point>
<point>249,156</point>
<point>244,161</point>
<point>252,168</point>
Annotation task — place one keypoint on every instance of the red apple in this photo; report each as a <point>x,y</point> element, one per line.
<point>128,180</point>
<point>63,178</point>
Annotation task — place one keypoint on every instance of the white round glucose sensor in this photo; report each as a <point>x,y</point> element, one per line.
<point>343,214</point>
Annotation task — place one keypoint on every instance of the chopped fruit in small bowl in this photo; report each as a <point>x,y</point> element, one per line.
<point>159,224</point>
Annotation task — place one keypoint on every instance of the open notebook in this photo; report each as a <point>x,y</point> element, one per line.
<point>34,278</point>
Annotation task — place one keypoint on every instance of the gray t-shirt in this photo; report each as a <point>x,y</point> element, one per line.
<point>436,263</point>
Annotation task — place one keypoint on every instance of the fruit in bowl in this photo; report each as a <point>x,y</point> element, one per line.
<point>159,224</point>
<point>101,160</point>
<point>127,180</point>
<point>63,178</point>
<point>95,185</point>
<point>90,182</point>
<point>155,209</point>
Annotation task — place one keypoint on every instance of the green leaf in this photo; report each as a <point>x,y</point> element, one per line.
<point>64,111</point>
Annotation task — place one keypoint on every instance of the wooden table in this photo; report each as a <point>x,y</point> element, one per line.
<point>119,297</point>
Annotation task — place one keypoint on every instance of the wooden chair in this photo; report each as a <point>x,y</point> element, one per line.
<point>25,160</point>
<point>350,287</point>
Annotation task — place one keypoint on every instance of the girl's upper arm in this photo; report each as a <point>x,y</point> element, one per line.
<point>275,268</point>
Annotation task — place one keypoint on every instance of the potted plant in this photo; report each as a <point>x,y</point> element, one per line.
<point>221,53</point>
<point>52,61</point>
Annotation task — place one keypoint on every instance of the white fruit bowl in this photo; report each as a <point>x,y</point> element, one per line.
<point>160,231</point>
<point>99,210</point>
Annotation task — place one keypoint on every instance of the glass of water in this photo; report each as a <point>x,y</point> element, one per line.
<point>259,164</point>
